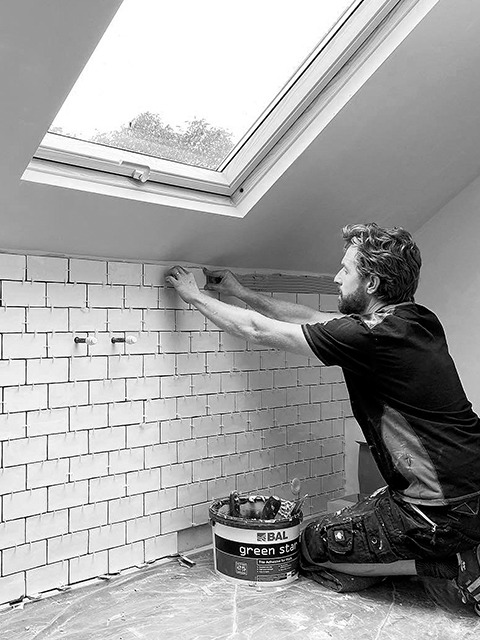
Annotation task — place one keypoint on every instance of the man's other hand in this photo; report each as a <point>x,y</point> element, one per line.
<point>184,283</point>
<point>222,281</point>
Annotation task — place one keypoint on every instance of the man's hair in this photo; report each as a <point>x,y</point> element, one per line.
<point>390,254</point>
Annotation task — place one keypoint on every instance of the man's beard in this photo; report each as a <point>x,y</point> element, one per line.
<point>356,302</point>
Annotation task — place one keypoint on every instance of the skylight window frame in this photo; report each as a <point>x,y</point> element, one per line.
<point>224,190</point>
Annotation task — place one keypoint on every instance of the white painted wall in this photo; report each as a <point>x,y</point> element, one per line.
<point>450,281</point>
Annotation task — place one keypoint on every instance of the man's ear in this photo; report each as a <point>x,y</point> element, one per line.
<point>373,283</point>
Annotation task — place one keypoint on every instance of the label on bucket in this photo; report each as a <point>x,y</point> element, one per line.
<point>257,555</point>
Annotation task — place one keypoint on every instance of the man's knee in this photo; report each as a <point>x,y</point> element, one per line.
<point>313,545</point>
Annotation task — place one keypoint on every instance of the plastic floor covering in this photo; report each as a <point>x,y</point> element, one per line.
<point>173,602</point>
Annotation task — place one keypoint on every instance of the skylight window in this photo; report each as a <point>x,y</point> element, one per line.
<point>204,105</point>
<point>187,80</point>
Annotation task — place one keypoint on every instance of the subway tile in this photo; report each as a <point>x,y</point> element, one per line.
<point>144,434</point>
<point>206,426</point>
<point>87,319</point>
<point>102,391</point>
<point>190,363</point>
<point>176,474</point>
<point>125,366</point>
<point>63,344</point>
<point>154,274</point>
<point>160,409</point>
<point>158,320</point>
<point>12,266</point>
<point>12,479</point>
<point>46,578</point>
<point>175,386</point>
<point>159,364</point>
<point>175,520</point>
<point>45,370</point>
<point>205,341</point>
<point>233,381</point>
<point>143,388</point>
<point>46,525</point>
<point>66,295</point>
<point>25,450</point>
<point>147,343</point>
<point>189,450</point>
<point>71,494</point>
<point>207,383</point>
<point>68,545</point>
<point>88,271</point>
<point>24,294</point>
<point>12,372</point>
<point>162,500</point>
<point>232,343</point>
<point>26,345</point>
<point>106,537</point>
<point>88,417</point>
<point>125,460</point>
<point>107,488</point>
<point>24,503</point>
<point>88,566</point>
<point>168,298</point>
<point>142,528</point>
<point>88,368</point>
<point>13,533</point>
<point>67,394</point>
<point>140,297</point>
<point>46,320</point>
<point>46,268</point>
<point>187,320</point>
<point>25,556</point>
<point>12,319</point>
<point>12,425</point>
<point>174,342</point>
<point>123,413</point>
<point>47,473</point>
<point>125,557</point>
<point>128,508</point>
<point>125,320</point>
<point>105,296</point>
<point>88,516</point>
<point>88,466</point>
<point>124,273</point>
<point>108,439</point>
<point>174,430</point>
<point>161,547</point>
<point>143,481</point>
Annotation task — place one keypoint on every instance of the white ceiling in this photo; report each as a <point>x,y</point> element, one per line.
<point>403,146</point>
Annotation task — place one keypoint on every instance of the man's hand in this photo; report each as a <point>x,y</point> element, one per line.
<point>223,281</point>
<point>184,283</point>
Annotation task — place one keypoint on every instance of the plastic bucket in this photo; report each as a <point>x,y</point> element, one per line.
<point>254,552</point>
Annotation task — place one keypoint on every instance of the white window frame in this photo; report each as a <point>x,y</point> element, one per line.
<point>363,38</point>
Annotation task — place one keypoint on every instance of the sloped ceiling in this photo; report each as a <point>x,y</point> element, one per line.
<point>402,147</point>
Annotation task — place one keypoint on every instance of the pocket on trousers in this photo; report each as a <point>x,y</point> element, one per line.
<point>340,538</point>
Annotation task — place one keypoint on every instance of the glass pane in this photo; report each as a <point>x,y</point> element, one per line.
<point>186,80</point>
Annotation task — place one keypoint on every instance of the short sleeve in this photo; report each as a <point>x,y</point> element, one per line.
<point>346,342</point>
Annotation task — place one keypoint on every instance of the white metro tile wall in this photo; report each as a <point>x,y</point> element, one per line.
<point>108,451</point>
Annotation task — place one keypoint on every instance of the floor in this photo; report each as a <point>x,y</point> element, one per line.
<point>173,602</point>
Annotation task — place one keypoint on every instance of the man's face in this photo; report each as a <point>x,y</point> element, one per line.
<point>352,297</point>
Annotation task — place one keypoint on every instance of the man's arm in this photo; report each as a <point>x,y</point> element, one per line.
<point>244,323</point>
<point>224,282</point>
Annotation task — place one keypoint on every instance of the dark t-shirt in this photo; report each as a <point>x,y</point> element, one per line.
<point>408,399</point>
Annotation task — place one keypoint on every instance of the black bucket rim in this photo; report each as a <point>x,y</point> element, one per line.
<point>249,523</point>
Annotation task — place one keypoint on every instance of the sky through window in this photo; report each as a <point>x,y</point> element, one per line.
<point>186,80</point>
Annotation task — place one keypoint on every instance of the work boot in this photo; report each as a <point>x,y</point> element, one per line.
<point>468,580</point>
